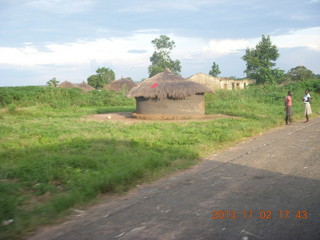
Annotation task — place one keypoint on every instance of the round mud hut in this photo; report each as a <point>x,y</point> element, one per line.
<point>122,84</point>
<point>169,96</point>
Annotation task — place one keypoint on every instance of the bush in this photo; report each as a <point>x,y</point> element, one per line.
<point>312,85</point>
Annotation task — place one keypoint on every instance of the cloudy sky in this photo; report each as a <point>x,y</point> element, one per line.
<point>70,39</point>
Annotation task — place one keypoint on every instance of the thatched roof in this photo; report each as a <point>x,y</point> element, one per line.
<point>86,87</point>
<point>67,84</point>
<point>167,85</point>
<point>121,83</point>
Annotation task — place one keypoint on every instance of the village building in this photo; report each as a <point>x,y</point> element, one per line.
<point>169,96</point>
<point>122,84</point>
<point>215,83</point>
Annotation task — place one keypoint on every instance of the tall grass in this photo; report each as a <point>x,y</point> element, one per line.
<point>263,103</point>
<point>59,97</point>
<point>52,160</point>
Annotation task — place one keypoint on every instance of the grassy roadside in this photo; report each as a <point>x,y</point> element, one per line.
<point>51,160</point>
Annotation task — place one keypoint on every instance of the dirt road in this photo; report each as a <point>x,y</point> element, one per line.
<point>265,188</point>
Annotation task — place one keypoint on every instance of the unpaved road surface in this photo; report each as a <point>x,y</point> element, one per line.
<point>267,187</point>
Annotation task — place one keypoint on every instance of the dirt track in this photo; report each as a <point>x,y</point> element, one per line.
<point>271,183</point>
<point>126,117</point>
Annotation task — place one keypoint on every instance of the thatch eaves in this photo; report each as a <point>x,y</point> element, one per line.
<point>120,84</point>
<point>167,85</point>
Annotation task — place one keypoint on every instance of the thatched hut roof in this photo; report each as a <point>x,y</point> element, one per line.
<point>121,83</point>
<point>167,85</point>
<point>86,87</point>
<point>67,84</point>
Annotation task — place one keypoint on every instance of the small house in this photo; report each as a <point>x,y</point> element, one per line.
<point>168,95</point>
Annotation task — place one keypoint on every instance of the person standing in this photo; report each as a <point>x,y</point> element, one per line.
<point>288,108</point>
<point>307,106</point>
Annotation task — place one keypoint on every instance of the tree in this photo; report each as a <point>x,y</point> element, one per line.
<point>102,78</point>
<point>300,73</point>
<point>260,61</point>
<point>95,81</point>
<point>215,71</point>
<point>279,75</point>
<point>160,59</point>
<point>53,82</point>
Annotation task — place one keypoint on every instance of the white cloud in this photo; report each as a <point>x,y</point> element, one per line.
<point>61,6</point>
<point>168,5</point>
<point>307,38</point>
<point>115,50</point>
<point>135,51</point>
<point>226,46</point>
<point>301,38</point>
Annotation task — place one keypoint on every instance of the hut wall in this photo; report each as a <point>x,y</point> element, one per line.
<point>193,105</point>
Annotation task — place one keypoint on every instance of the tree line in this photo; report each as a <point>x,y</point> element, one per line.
<point>260,65</point>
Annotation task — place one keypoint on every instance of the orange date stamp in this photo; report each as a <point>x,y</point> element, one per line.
<point>260,214</point>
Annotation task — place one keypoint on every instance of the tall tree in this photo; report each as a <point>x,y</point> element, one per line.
<point>102,77</point>
<point>160,59</point>
<point>215,71</point>
<point>260,61</point>
<point>300,73</point>
<point>53,82</point>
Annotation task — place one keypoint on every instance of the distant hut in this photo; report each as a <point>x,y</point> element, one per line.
<point>168,94</point>
<point>215,83</point>
<point>67,84</point>
<point>121,84</point>
<point>86,87</point>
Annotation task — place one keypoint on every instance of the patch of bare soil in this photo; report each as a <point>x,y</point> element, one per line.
<point>128,117</point>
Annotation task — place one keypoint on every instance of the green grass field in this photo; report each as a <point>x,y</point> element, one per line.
<point>51,160</point>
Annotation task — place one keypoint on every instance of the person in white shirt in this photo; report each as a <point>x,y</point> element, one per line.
<point>307,106</point>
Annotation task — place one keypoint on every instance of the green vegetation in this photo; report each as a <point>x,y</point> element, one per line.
<point>261,60</point>
<point>60,98</point>
<point>53,159</point>
<point>102,78</point>
<point>53,82</point>
<point>214,71</point>
<point>160,59</point>
<point>300,73</point>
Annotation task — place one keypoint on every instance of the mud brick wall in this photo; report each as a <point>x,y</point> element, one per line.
<point>191,105</point>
